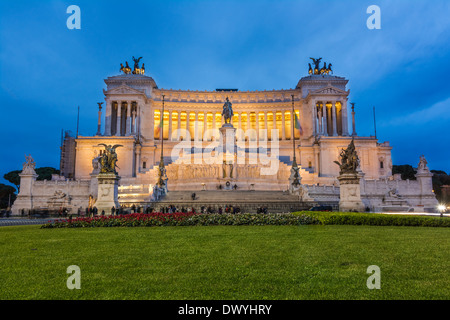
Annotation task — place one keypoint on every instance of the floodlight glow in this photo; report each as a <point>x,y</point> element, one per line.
<point>441,208</point>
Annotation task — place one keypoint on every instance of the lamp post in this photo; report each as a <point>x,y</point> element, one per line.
<point>295,168</point>
<point>161,183</point>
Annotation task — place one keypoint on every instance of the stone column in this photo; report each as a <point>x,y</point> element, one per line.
<point>325,119</point>
<point>108,113</point>
<point>205,124</point>
<point>127,123</point>
<point>187,125</point>
<point>353,122</point>
<point>334,115</point>
<point>265,126</point>
<point>196,127</point>
<point>133,122</point>
<point>257,125</point>
<point>99,124</point>
<point>314,118</point>
<point>316,159</point>
<point>137,121</point>
<point>138,158</point>
<point>320,119</point>
<point>240,125</point>
<point>274,122</point>
<point>248,125</point>
<point>179,125</point>
<point>283,125</point>
<point>119,122</point>
<point>344,118</point>
<point>170,125</point>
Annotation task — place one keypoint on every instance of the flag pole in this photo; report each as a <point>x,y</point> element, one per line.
<point>374,122</point>
<point>293,132</point>
<point>78,120</point>
<point>295,169</point>
<point>161,162</point>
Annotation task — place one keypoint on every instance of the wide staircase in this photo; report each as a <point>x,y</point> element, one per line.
<point>246,201</point>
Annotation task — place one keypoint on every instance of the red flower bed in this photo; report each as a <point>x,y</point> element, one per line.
<point>132,219</point>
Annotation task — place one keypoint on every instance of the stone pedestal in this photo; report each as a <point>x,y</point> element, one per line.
<point>295,175</point>
<point>350,193</point>
<point>228,143</point>
<point>24,199</point>
<point>108,192</point>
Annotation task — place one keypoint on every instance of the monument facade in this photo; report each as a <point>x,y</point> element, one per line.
<point>285,140</point>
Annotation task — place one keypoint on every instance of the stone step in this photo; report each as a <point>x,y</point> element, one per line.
<point>230,195</point>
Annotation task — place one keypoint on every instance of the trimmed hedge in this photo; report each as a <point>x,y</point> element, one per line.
<point>182,219</point>
<point>375,219</point>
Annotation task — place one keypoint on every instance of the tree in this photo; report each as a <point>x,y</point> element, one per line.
<point>44,173</point>
<point>440,178</point>
<point>7,195</point>
<point>14,178</point>
<point>406,170</point>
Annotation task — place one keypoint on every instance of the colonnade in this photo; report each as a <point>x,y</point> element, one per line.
<point>122,118</point>
<point>254,125</point>
<point>331,118</point>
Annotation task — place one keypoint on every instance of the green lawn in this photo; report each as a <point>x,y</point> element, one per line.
<point>225,262</point>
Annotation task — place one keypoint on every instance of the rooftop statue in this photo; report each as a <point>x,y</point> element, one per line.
<point>316,65</point>
<point>29,165</point>
<point>126,69</point>
<point>423,165</point>
<point>138,70</point>
<point>317,69</point>
<point>108,159</point>
<point>349,160</point>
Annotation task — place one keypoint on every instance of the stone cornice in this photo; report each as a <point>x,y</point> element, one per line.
<point>217,107</point>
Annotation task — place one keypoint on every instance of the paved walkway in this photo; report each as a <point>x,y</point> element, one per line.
<point>23,221</point>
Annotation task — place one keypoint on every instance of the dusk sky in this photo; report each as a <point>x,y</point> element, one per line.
<point>47,70</point>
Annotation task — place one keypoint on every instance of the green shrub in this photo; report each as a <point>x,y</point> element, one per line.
<point>374,219</point>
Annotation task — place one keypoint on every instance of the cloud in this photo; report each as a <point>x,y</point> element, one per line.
<point>438,112</point>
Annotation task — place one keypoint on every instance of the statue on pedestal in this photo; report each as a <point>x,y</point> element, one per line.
<point>349,178</point>
<point>29,165</point>
<point>108,159</point>
<point>349,160</point>
<point>227,111</point>
<point>423,165</point>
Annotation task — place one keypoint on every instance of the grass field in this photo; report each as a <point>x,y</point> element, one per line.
<point>225,262</point>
